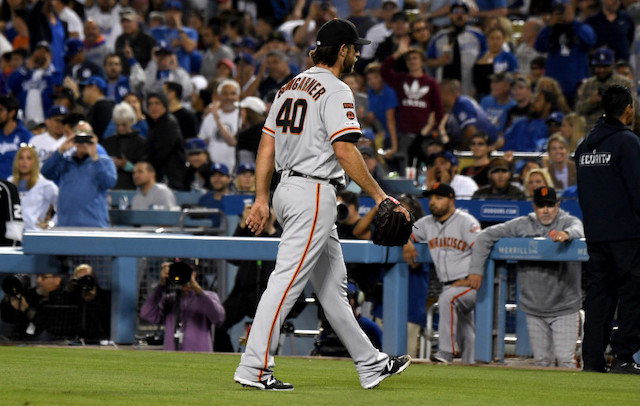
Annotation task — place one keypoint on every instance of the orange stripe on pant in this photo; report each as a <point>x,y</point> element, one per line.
<point>453,341</point>
<point>284,296</point>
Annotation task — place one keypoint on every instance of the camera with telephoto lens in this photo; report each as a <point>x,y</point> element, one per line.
<point>17,284</point>
<point>87,283</point>
<point>343,212</point>
<point>180,273</point>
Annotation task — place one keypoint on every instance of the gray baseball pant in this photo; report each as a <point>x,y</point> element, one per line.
<point>554,338</point>
<point>309,250</point>
<point>457,325</point>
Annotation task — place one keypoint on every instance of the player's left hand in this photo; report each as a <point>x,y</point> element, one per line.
<point>258,216</point>
<point>558,236</point>
<point>475,281</point>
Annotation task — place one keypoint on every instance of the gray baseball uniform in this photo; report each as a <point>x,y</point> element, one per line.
<point>308,114</point>
<point>450,248</point>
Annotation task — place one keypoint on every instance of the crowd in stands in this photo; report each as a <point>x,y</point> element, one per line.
<point>164,96</point>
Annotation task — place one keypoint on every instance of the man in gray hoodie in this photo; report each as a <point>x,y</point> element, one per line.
<point>550,292</point>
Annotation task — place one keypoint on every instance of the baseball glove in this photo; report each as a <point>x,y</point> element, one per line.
<point>391,227</point>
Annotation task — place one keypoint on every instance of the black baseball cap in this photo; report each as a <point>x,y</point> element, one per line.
<point>440,189</point>
<point>337,32</point>
<point>544,194</point>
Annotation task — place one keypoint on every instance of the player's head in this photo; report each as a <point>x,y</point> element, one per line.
<point>441,200</point>
<point>545,205</point>
<point>336,43</point>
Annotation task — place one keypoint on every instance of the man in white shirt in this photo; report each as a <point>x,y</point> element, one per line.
<point>48,142</point>
<point>150,195</point>
<point>69,16</point>
<point>219,128</point>
<point>443,168</point>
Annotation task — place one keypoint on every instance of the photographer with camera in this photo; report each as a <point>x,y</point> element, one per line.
<point>83,179</point>
<point>93,302</point>
<point>188,312</point>
<point>29,308</point>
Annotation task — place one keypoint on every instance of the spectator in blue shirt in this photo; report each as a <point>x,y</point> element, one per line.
<point>83,178</point>
<point>383,102</point>
<point>183,40</point>
<point>499,101</point>
<point>220,181</point>
<point>12,134</point>
<point>34,82</point>
<point>614,27</point>
<point>466,116</point>
<point>567,42</point>
<point>530,134</point>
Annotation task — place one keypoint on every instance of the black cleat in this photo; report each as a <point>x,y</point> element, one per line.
<point>624,367</point>
<point>394,366</point>
<point>270,383</point>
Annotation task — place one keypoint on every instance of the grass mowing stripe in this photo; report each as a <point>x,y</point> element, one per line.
<point>80,376</point>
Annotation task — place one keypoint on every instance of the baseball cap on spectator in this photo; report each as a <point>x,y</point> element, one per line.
<point>95,81</point>
<point>385,2</point>
<point>157,15</point>
<point>228,63</point>
<point>367,150</point>
<point>129,14</point>
<point>440,189</point>
<point>276,36</point>
<point>502,77</point>
<point>173,5</point>
<point>246,42</point>
<point>458,4</point>
<point>199,82</point>
<point>337,32</point>
<point>163,48</point>
<point>57,111</point>
<point>556,117</point>
<point>448,155</point>
<point>73,46</point>
<point>243,57</point>
<point>602,57</point>
<point>399,16</point>
<point>195,145</point>
<point>499,164</point>
<point>43,44</point>
<point>245,167</point>
<point>253,103</point>
<point>217,167</point>
<point>521,81</point>
<point>160,96</point>
<point>544,194</point>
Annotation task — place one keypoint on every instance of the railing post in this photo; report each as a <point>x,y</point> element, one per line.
<point>500,313</point>
<point>123,299</point>
<point>484,315</point>
<point>394,313</point>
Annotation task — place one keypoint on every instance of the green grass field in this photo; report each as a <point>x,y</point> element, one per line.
<point>80,376</point>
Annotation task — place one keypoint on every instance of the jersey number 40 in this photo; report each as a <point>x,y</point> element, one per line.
<point>291,116</point>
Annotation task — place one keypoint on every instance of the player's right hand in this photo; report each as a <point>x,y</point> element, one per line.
<point>258,217</point>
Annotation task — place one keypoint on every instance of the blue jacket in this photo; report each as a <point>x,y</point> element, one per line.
<point>526,135</point>
<point>9,146</point>
<point>20,81</point>
<point>608,183</point>
<point>82,201</point>
<point>568,46</point>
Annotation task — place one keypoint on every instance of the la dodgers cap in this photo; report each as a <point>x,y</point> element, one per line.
<point>337,32</point>
<point>196,145</point>
<point>217,167</point>
<point>602,57</point>
<point>57,111</point>
<point>245,167</point>
<point>440,189</point>
<point>544,194</point>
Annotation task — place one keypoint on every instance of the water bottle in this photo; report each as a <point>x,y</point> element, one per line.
<point>123,203</point>
<point>421,179</point>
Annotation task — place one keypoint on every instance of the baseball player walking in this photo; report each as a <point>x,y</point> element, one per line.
<point>309,137</point>
<point>450,234</point>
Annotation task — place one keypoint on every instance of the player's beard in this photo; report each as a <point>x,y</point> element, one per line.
<point>348,64</point>
<point>438,212</point>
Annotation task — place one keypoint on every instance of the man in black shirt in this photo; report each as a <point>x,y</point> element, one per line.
<point>186,118</point>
